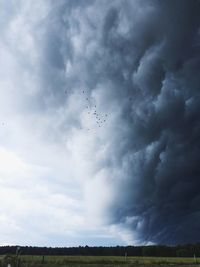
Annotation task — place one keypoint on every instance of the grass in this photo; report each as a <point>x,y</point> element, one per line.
<point>97,261</point>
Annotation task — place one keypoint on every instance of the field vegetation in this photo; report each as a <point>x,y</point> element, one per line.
<point>96,261</point>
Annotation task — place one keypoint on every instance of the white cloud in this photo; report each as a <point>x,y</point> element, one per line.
<point>52,188</point>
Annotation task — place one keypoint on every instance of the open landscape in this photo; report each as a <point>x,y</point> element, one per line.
<point>97,261</point>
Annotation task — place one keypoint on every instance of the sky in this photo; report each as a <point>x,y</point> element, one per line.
<point>99,122</point>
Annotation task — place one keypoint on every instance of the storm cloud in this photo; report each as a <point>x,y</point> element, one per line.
<point>156,76</point>
<point>100,101</point>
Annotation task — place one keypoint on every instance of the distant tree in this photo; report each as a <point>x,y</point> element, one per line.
<point>182,252</point>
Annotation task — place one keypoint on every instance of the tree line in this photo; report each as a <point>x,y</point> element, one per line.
<point>189,250</point>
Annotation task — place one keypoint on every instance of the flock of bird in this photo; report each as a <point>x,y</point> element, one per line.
<point>100,118</point>
<point>91,110</point>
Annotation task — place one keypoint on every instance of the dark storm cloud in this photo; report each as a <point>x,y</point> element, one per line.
<point>139,62</point>
<point>158,197</point>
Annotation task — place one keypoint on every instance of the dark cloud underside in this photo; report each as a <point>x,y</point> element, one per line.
<point>158,196</point>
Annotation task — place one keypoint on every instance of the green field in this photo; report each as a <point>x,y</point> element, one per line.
<point>97,261</point>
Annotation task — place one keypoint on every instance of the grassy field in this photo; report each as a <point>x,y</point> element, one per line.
<point>97,261</point>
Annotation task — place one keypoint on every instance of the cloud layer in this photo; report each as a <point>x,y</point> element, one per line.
<point>99,121</point>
